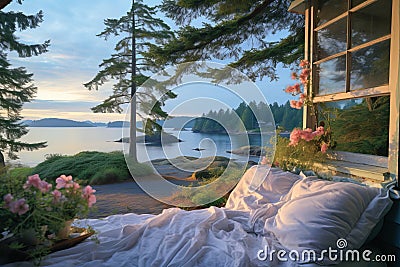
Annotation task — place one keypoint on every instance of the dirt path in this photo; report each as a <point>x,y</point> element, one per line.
<point>125,198</point>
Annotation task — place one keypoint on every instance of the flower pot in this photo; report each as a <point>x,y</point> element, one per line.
<point>64,232</point>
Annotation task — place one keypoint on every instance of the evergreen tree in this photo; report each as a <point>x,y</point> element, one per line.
<point>236,30</point>
<point>16,87</point>
<point>130,65</point>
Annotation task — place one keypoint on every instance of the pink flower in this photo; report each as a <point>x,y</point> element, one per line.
<point>324,148</point>
<point>91,200</point>
<point>294,90</point>
<point>76,186</point>
<point>33,180</point>
<point>304,76</point>
<point>36,182</point>
<point>56,195</point>
<point>88,192</point>
<point>307,135</point>
<point>305,72</point>
<point>64,181</point>
<point>320,131</point>
<point>294,76</point>
<point>295,137</point>
<point>289,89</point>
<point>20,206</point>
<point>44,186</point>
<point>304,63</point>
<point>297,89</point>
<point>7,199</point>
<point>296,104</point>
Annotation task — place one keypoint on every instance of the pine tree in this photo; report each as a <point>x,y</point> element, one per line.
<point>16,87</point>
<point>130,66</point>
<point>236,30</point>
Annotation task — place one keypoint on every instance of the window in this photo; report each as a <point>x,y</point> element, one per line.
<point>352,45</point>
<point>358,125</point>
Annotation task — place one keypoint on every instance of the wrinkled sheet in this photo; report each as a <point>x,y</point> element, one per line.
<point>207,237</point>
<point>230,236</point>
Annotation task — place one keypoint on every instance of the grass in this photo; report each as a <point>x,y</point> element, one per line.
<point>88,167</point>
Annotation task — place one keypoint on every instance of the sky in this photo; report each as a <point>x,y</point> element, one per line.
<point>75,53</point>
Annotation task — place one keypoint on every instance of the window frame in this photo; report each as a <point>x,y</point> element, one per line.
<point>314,29</point>
<point>307,8</point>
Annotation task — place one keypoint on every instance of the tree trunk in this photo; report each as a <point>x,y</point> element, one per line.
<point>4,3</point>
<point>2,163</point>
<point>132,129</point>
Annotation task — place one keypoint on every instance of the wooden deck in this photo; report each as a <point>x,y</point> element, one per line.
<point>359,165</point>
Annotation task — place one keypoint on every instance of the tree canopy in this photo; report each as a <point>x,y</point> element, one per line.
<point>16,85</point>
<point>119,68</point>
<point>237,31</point>
<point>130,66</point>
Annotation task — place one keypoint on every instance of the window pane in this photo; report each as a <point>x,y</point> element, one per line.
<point>356,2</point>
<point>332,76</point>
<point>371,22</point>
<point>358,125</point>
<point>328,9</point>
<point>370,66</point>
<point>332,39</point>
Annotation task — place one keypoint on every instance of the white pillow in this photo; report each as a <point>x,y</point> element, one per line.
<point>275,185</point>
<point>317,213</point>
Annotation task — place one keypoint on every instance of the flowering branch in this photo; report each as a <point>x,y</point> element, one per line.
<point>300,87</point>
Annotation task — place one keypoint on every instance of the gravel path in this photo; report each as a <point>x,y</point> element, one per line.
<point>125,197</point>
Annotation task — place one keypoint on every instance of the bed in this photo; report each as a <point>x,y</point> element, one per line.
<point>287,214</point>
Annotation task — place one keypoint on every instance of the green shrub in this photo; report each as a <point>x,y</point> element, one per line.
<point>87,165</point>
<point>302,156</point>
<point>108,176</point>
<point>20,173</point>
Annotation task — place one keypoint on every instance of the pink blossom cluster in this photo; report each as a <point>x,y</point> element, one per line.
<point>18,206</point>
<point>36,182</point>
<point>70,187</point>
<point>297,134</point>
<point>88,194</point>
<point>66,182</point>
<point>56,195</point>
<point>296,88</point>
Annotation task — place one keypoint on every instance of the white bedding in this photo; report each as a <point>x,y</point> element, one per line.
<point>230,236</point>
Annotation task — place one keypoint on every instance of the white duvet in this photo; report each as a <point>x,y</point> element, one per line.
<point>230,236</point>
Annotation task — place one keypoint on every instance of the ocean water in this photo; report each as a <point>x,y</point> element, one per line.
<point>69,141</point>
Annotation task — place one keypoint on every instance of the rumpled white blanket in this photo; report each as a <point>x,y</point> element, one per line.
<point>230,236</point>
<point>207,237</point>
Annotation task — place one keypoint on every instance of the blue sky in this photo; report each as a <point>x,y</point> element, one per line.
<point>76,52</point>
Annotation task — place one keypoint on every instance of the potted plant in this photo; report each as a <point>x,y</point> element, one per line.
<point>35,213</point>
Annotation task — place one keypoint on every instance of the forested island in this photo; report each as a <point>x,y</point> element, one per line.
<point>285,117</point>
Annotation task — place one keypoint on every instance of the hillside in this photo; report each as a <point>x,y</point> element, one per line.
<point>53,122</point>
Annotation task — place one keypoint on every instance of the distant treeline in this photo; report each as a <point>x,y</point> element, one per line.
<point>248,118</point>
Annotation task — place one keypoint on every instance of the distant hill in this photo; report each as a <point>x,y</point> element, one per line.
<point>176,122</point>
<point>179,122</point>
<point>52,122</point>
<point>118,124</point>
<point>97,124</point>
